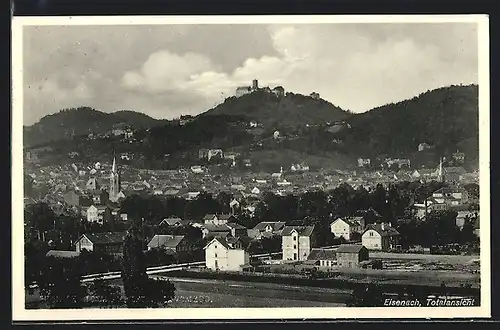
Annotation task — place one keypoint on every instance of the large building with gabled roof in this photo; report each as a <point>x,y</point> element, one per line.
<point>297,242</point>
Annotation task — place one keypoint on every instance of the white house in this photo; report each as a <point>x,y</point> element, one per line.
<point>271,227</point>
<point>197,169</point>
<point>95,214</point>
<point>346,227</point>
<point>225,256</point>
<point>364,162</point>
<point>297,242</point>
<point>380,236</point>
<point>217,220</point>
<point>234,205</point>
<point>450,195</point>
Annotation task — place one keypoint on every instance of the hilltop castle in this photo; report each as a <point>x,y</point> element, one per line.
<point>242,90</point>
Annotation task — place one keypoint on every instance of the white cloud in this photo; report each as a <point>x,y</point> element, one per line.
<point>166,71</point>
<point>354,66</point>
<point>50,95</point>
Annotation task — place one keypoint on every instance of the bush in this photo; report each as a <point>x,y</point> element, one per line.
<point>377,264</point>
<point>104,294</point>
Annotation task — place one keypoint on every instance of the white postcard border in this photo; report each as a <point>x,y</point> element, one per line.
<point>19,313</point>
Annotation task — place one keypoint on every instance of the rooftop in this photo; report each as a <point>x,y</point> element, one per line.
<point>168,241</point>
<point>301,230</point>
<point>350,248</point>
<point>106,238</point>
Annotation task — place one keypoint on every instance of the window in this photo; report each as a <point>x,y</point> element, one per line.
<point>294,246</point>
<point>295,256</point>
<point>294,238</point>
<point>216,255</point>
<point>371,233</point>
<point>215,246</point>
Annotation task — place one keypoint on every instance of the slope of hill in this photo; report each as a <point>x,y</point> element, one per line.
<point>447,118</point>
<point>80,121</point>
<point>272,111</point>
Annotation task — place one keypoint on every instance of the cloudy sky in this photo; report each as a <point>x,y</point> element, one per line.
<point>169,70</point>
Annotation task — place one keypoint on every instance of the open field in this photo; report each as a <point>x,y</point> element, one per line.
<point>201,293</point>
<point>450,259</point>
<point>214,293</point>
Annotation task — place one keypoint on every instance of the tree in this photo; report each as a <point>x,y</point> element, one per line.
<point>141,291</point>
<point>60,283</point>
<point>379,200</point>
<point>39,217</point>
<point>467,235</point>
<point>440,228</point>
<point>369,295</point>
<point>134,269</point>
<point>34,257</point>
<point>159,292</point>
<point>224,198</point>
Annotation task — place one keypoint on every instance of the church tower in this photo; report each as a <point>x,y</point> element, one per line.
<point>440,170</point>
<point>114,183</point>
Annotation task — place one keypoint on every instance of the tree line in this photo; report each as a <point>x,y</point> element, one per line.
<point>60,286</point>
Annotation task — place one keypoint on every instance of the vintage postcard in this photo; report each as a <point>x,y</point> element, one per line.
<point>250,167</point>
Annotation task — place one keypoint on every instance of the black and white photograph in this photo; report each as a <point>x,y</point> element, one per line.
<point>231,167</point>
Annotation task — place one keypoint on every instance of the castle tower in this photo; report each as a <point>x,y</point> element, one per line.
<point>255,84</point>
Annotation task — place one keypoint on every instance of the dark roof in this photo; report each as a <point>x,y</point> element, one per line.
<point>62,254</point>
<point>216,228</point>
<point>322,254</point>
<point>388,230</point>
<point>209,216</point>
<point>476,223</point>
<point>106,238</point>
<point>447,190</point>
<point>168,241</point>
<point>454,170</point>
<point>369,211</point>
<point>461,207</point>
<point>222,242</point>
<point>235,225</point>
<point>350,248</point>
<point>218,234</point>
<point>224,216</point>
<point>302,230</point>
<point>232,241</point>
<point>172,221</point>
<point>276,225</point>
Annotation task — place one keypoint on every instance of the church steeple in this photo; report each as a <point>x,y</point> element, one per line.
<point>114,182</point>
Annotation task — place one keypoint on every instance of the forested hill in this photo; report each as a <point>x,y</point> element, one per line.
<point>82,121</point>
<point>272,111</point>
<point>447,118</point>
